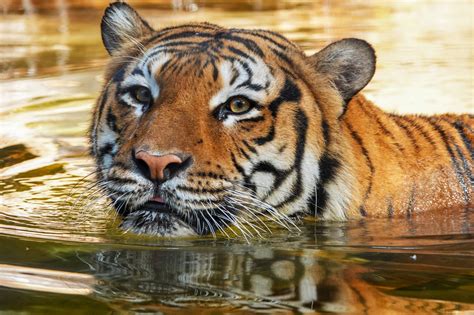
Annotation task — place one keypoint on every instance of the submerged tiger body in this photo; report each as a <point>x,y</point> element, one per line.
<point>200,129</point>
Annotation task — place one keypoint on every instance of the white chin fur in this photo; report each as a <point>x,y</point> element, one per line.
<point>156,223</point>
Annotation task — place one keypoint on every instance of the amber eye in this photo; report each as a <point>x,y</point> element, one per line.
<point>142,95</point>
<point>239,105</point>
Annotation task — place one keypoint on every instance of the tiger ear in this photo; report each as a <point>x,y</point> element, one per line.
<point>348,63</point>
<point>121,24</point>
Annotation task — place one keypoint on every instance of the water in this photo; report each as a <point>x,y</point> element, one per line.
<point>61,250</point>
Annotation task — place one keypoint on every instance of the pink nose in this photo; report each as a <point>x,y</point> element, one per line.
<point>159,166</point>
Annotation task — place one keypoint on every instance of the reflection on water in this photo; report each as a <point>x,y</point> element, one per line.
<point>327,268</point>
<point>61,250</point>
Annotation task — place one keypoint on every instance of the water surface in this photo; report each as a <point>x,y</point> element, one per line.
<point>61,250</point>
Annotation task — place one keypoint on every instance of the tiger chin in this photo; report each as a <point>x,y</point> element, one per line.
<point>201,129</point>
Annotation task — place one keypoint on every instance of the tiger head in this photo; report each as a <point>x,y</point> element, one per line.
<point>200,128</point>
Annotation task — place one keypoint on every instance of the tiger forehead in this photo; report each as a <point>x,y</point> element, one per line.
<point>234,57</point>
<point>204,35</point>
<point>203,44</point>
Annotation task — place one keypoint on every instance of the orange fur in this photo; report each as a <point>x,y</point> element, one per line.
<point>413,169</point>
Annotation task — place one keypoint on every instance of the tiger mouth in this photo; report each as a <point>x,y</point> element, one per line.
<point>162,215</point>
<point>156,217</point>
<point>157,206</point>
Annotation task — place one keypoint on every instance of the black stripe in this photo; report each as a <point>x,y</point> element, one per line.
<point>269,137</point>
<point>207,175</point>
<point>240,53</point>
<point>251,148</point>
<point>286,59</point>
<point>258,33</point>
<point>457,168</point>
<point>244,153</point>
<point>411,202</point>
<point>390,208</point>
<point>196,65</point>
<point>121,165</point>
<point>165,66</point>
<point>237,166</point>
<point>373,114</point>
<point>215,72</point>
<point>137,71</point>
<point>177,67</point>
<point>326,134</point>
<point>180,35</point>
<point>467,167</point>
<point>359,141</point>
<point>105,149</point>
<point>301,128</point>
<point>120,74</point>
<point>170,29</point>
<point>267,167</point>
<point>252,119</point>
<point>248,43</point>
<point>200,190</point>
<point>289,93</point>
<point>186,44</point>
<point>182,52</point>
<point>112,120</point>
<point>249,72</point>
<point>240,149</point>
<point>402,124</point>
<point>328,167</point>
<point>251,86</point>
<point>124,104</point>
<point>459,126</point>
<point>235,75</point>
<point>120,180</point>
<point>322,198</point>
<point>420,129</point>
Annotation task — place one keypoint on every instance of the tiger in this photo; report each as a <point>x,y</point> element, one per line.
<point>205,130</point>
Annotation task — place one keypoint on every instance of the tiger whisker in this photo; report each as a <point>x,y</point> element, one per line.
<point>223,212</point>
<point>80,181</point>
<point>93,201</point>
<point>82,198</point>
<point>253,226</point>
<point>265,206</point>
<point>218,225</point>
<point>258,218</point>
<point>208,223</point>
<point>275,217</point>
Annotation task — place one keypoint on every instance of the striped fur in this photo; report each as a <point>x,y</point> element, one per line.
<point>308,146</point>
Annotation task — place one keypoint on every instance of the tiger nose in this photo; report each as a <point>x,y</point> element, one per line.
<point>159,167</point>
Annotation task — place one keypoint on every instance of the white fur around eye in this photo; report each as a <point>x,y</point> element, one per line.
<point>145,79</point>
<point>261,77</point>
<point>130,101</point>
<point>232,119</point>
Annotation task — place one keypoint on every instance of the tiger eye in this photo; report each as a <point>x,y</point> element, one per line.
<point>143,95</point>
<point>238,105</point>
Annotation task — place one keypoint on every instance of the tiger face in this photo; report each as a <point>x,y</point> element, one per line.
<point>200,128</point>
